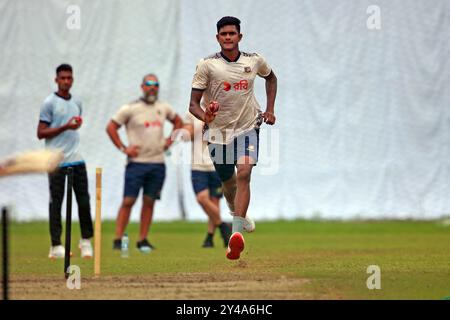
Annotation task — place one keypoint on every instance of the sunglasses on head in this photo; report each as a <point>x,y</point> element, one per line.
<point>150,83</point>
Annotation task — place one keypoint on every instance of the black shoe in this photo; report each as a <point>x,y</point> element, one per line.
<point>208,243</point>
<point>144,246</point>
<point>225,232</point>
<point>117,244</point>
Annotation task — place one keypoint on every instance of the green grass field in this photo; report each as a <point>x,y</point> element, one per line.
<point>282,260</point>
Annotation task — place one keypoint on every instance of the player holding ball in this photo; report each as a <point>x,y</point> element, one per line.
<point>224,83</point>
<point>59,121</point>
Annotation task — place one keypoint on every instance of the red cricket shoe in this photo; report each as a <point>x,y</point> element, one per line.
<point>235,246</point>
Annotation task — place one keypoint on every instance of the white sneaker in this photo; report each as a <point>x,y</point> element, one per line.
<point>56,252</point>
<point>86,248</point>
<point>249,224</point>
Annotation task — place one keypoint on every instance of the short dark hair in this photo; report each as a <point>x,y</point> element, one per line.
<point>229,21</point>
<point>63,67</point>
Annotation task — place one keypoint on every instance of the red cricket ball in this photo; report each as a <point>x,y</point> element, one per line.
<point>78,120</point>
<point>213,106</point>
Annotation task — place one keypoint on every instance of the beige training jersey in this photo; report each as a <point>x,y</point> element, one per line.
<point>200,159</point>
<point>144,125</point>
<point>230,84</point>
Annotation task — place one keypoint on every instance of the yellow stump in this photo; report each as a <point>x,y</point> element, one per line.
<point>98,221</point>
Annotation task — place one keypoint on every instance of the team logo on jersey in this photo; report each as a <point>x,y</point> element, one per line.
<point>248,69</point>
<point>154,124</point>
<point>226,86</point>
<point>241,85</point>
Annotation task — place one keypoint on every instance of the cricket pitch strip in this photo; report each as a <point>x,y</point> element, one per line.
<point>179,286</point>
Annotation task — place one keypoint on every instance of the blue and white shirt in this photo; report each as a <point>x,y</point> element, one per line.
<point>56,112</point>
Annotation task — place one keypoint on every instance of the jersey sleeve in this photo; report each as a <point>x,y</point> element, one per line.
<point>80,107</point>
<point>122,115</point>
<point>201,78</point>
<point>263,67</point>
<point>170,112</point>
<point>46,114</point>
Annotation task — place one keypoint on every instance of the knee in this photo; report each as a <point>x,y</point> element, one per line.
<point>202,197</point>
<point>148,201</point>
<point>128,202</point>
<point>243,175</point>
<point>230,183</point>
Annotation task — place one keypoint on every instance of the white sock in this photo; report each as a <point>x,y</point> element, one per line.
<point>238,224</point>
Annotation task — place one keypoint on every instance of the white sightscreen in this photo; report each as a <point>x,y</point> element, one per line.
<point>363,114</point>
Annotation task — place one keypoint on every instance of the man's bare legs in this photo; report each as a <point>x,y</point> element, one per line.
<point>242,198</point>
<point>237,191</point>
<point>241,203</point>
<point>210,206</point>
<point>229,191</point>
<point>211,227</point>
<point>148,204</point>
<point>216,202</point>
<point>124,216</point>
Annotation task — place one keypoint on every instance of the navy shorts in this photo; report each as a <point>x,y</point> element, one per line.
<point>226,156</point>
<point>149,176</point>
<point>202,180</point>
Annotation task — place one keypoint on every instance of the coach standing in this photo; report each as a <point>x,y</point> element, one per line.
<point>144,123</point>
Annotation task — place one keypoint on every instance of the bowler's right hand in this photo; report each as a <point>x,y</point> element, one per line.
<point>211,112</point>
